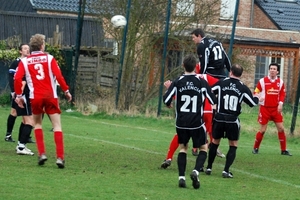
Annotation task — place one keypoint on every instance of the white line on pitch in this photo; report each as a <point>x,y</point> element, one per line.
<point>243,145</point>
<point>157,153</point>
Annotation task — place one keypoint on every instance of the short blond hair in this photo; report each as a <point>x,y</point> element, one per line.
<point>36,42</point>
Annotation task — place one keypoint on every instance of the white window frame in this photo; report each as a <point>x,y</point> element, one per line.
<point>281,64</point>
<point>185,8</point>
<point>227,9</point>
<point>270,60</point>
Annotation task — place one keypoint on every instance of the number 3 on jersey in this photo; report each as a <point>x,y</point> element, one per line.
<point>187,101</point>
<point>40,70</point>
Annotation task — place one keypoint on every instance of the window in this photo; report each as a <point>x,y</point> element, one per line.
<point>175,59</point>
<point>185,8</point>
<point>227,9</point>
<point>262,67</point>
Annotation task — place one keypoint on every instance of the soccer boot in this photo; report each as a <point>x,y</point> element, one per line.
<point>60,163</point>
<point>166,164</point>
<point>255,151</point>
<point>220,154</point>
<point>181,183</point>
<point>195,179</point>
<point>42,159</point>
<point>24,151</point>
<point>286,153</point>
<point>227,174</point>
<point>9,139</point>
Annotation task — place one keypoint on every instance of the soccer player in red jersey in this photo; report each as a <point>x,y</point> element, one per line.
<point>42,71</point>
<point>272,89</point>
<point>208,110</point>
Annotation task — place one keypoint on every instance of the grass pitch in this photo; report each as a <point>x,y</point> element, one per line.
<point>119,157</point>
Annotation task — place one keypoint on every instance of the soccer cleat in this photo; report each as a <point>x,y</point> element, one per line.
<point>21,147</point>
<point>227,174</point>
<point>181,183</point>
<point>30,140</point>
<point>195,179</point>
<point>9,139</point>
<point>24,151</point>
<point>60,163</point>
<point>195,151</point>
<point>28,149</point>
<point>286,153</point>
<point>166,164</point>
<point>208,171</point>
<point>42,159</point>
<point>220,154</point>
<point>255,151</point>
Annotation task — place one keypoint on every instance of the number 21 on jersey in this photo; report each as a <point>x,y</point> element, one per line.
<point>187,101</point>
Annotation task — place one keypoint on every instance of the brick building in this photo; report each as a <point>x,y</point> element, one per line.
<point>266,31</point>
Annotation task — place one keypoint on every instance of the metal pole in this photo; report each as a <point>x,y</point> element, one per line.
<point>78,43</point>
<point>164,57</point>
<point>295,108</point>
<point>123,52</point>
<point>233,29</point>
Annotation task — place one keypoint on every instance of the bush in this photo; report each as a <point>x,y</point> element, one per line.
<point>5,98</point>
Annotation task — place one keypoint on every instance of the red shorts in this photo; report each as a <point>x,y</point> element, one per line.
<point>46,105</point>
<point>267,114</point>
<point>207,118</point>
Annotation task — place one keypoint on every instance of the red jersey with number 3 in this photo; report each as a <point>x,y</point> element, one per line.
<point>41,71</point>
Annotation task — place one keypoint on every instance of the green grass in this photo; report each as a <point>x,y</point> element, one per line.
<point>119,157</point>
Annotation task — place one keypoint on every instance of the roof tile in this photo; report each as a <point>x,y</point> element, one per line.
<point>286,15</point>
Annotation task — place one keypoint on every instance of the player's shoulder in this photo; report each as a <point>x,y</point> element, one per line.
<point>14,64</point>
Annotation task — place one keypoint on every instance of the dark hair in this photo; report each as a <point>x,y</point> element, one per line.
<point>275,64</point>
<point>189,63</point>
<point>237,70</point>
<point>198,32</point>
<point>21,46</point>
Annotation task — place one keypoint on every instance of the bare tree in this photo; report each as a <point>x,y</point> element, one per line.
<point>143,57</point>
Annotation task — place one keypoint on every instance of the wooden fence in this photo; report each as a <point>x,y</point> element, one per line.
<point>97,71</point>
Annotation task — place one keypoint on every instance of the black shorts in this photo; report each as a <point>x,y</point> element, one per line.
<point>198,136</point>
<point>226,130</point>
<point>13,103</point>
<point>26,111</point>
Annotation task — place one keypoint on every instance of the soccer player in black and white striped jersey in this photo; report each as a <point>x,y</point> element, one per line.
<point>231,92</point>
<point>190,92</point>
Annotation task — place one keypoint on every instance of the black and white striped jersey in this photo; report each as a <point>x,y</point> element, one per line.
<point>213,59</point>
<point>231,92</point>
<point>189,92</point>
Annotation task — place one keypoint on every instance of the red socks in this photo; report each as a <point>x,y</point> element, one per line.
<point>172,148</point>
<point>39,137</point>
<point>58,138</point>
<point>282,140</point>
<point>258,139</point>
<point>59,142</point>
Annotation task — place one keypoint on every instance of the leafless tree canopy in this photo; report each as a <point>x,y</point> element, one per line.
<point>146,27</point>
